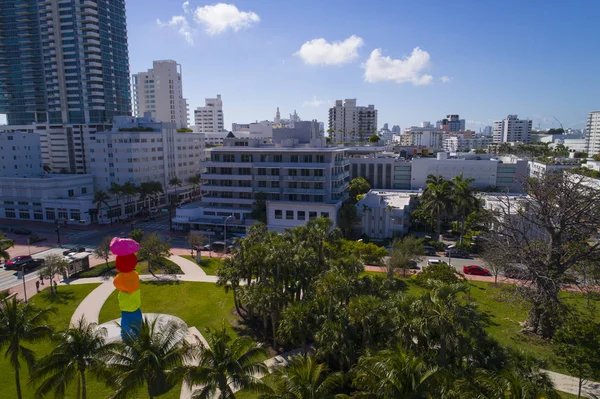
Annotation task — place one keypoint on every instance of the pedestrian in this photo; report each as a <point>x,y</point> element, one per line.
<point>55,284</point>
<point>42,280</point>
<point>37,286</point>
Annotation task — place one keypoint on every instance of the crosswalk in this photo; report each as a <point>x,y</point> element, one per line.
<point>76,235</point>
<point>158,226</point>
<point>8,278</point>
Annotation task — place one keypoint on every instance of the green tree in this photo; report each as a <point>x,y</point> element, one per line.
<point>154,249</point>
<point>195,181</point>
<point>227,364</point>
<point>436,200</point>
<point>117,191</point>
<point>137,235</point>
<point>347,217</point>
<point>578,345</point>
<point>103,251</point>
<point>358,185</point>
<point>20,323</point>
<point>5,243</point>
<point>196,240</point>
<point>404,253</point>
<point>79,350</point>
<point>304,378</point>
<point>374,138</point>
<point>464,200</point>
<point>259,208</point>
<point>129,191</point>
<point>154,356</point>
<point>394,373</point>
<point>53,265</point>
<point>296,323</point>
<point>101,200</point>
<point>175,182</point>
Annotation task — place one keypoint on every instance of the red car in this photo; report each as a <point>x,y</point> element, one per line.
<point>15,262</point>
<point>476,270</point>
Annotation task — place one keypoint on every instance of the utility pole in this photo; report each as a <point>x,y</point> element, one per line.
<point>225,232</point>
<point>24,287</point>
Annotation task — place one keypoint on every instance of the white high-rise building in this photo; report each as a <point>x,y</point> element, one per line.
<point>428,137</point>
<point>209,119</point>
<point>139,150</point>
<point>512,129</point>
<point>592,133</point>
<point>160,91</point>
<point>350,122</point>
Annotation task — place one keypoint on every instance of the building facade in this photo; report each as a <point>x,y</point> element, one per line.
<point>557,165</point>
<point>428,137</point>
<point>209,119</point>
<point>459,143</point>
<point>512,129</point>
<point>385,214</point>
<point>299,181</point>
<point>160,91</point>
<point>48,198</point>
<point>138,150</point>
<point>64,62</point>
<point>20,155</point>
<point>350,122</point>
<point>451,123</point>
<point>592,135</point>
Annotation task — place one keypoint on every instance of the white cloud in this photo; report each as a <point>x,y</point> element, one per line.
<point>446,79</point>
<point>407,70</point>
<point>180,23</point>
<point>186,7</point>
<point>220,17</point>
<point>315,102</point>
<point>321,52</point>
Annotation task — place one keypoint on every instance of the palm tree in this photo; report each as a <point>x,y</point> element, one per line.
<point>436,200</point>
<point>463,199</point>
<point>175,182</point>
<point>195,182</point>
<point>129,190</point>
<point>156,189</point>
<point>304,378</point>
<point>116,190</point>
<point>100,199</point>
<point>296,323</point>
<point>149,357</point>
<point>394,373</point>
<point>5,243</point>
<point>227,365</point>
<point>21,323</point>
<point>79,349</point>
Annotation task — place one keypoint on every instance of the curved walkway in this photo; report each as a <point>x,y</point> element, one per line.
<point>92,304</point>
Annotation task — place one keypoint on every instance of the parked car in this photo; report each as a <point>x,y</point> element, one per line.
<point>433,262</point>
<point>16,262</point>
<point>515,272</point>
<point>449,237</point>
<point>476,270</point>
<point>456,253</point>
<point>413,265</point>
<point>32,264</point>
<point>429,250</point>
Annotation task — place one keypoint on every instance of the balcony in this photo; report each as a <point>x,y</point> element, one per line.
<point>218,176</point>
<point>340,176</point>
<point>231,189</point>
<point>266,178</point>
<point>207,198</point>
<point>314,191</point>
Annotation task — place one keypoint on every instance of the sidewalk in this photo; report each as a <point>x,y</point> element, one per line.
<point>568,384</point>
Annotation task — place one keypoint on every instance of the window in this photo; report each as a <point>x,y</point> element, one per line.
<point>262,171</point>
<point>275,184</point>
<point>305,172</point>
<point>289,215</point>
<point>10,213</point>
<point>301,215</point>
<point>318,172</point>
<point>312,215</point>
<point>75,215</point>
<point>321,158</point>
<point>38,215</point>
<point>50,214</point>
<point>294,158</point>
<point>318,186</point>
<point>246,158</point>
<point>24,214</point>
<point>277,158</point>
<point>262,184</point>
<point>293,185</point>
<point>278,214</point>
<point>71,193</point>
<point>307,158</point>
<point>292,172</point>
<point>274,172</point>
<point>62,214</point>
<point>83,190</point>
<point>324,214</point>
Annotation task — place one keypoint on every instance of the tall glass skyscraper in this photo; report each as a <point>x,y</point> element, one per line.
<point>63,61</point>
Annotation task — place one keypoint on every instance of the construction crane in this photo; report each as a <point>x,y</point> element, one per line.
<point>561,126</point>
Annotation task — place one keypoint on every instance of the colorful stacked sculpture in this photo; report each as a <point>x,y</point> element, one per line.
<point>127,283</point>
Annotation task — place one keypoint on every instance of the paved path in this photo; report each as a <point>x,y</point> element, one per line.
<point>568,384</point>
<point>190,269</point>
<point>92,304</point>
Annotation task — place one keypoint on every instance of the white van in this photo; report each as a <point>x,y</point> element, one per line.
<point>433,262</point>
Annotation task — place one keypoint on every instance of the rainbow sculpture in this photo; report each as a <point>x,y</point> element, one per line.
<point>127,283</point>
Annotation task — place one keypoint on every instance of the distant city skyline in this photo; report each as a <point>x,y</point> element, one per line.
<point>257,60</point>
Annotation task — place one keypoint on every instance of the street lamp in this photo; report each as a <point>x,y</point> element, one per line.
<point>225,231</point>
<point>57,230</point>
<point>24,288</point>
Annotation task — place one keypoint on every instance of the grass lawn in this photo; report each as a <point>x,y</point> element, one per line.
<point>65,303</point>
<point>141,268</point>
<point>209,265</point>
<point>198,304</point>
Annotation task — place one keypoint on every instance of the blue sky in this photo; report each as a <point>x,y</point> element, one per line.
<point>537,59</point>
